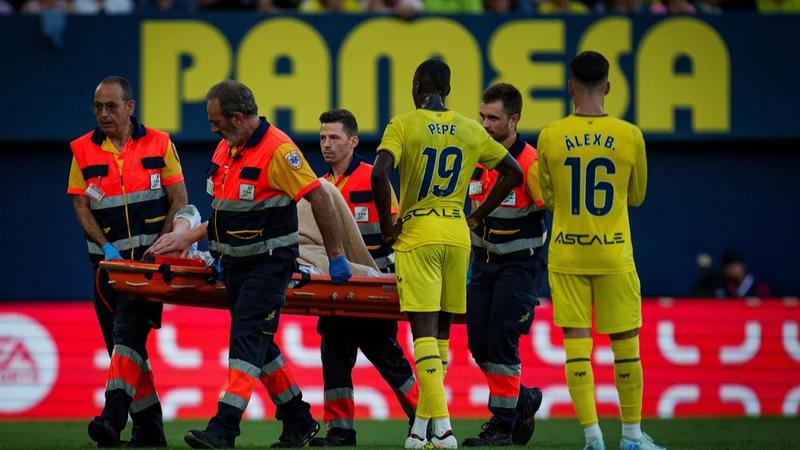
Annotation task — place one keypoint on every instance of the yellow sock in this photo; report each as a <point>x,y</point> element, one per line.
<point>580,379</point>
<point>628,378</point>
<point>431,380</point>
<point>444,353</point>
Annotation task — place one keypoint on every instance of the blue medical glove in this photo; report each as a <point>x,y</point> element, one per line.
<point>110,251</point>
<point>340,270</point>
<point>220,271</point>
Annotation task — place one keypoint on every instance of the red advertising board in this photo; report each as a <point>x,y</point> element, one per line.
<point>701,357</point>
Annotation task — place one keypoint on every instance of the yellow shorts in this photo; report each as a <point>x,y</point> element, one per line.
<point>617,300</point>
<point>432,278</point>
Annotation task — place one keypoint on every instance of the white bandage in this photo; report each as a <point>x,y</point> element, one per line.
<point>188,213</point>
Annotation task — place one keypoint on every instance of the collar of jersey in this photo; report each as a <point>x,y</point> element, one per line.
<point>351,168</point>
<point>258,134</point>
<point>138,132</point>
<point>517,147</point>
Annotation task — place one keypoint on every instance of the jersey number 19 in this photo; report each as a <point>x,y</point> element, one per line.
<point>447,165</point>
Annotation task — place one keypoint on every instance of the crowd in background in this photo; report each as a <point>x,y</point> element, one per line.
<point>402,8</point>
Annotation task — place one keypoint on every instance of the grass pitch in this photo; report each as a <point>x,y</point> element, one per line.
<point>734,433</point>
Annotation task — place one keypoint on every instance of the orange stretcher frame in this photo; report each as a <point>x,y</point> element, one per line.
<point>315,295</point>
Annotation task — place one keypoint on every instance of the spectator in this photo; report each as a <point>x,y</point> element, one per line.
<point>224,5</point>
<point>707,279</point>
<point>738,5</point>
<point>401,8</point>
<point>709,6</point>
<point>53,14</point>
<point>166,6</point>
<point>660,7</point>
<point>278,5</point>
<point>92,7</point>
<point>562,7</point>
<point>40,6</point>
<point>335,6</point>
<point>619,6</point>
<point>453,6</point>
<point>508,6</point>
<point>736,282</point>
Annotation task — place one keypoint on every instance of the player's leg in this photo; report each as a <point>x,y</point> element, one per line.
<point>104,299</point>
<point>145,410</point>
<point>128,363</point>
<point>480,297</point>
<point>572,311</point>
<point>339,351</point>
<point>453,300</point>
<point>419,285</point>
<point>299,427</point>
<point>619,314</point>
<point>377,339</point>
<point>479,306</point>
<point>249,334</point>
<point>511,316</point>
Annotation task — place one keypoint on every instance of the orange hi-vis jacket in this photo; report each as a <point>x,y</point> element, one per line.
<point>134,204</point>
<point>516,228</point>
<point>356,188</point>
<point>252,218</point>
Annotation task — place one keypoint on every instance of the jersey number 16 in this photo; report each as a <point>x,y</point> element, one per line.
<point>591,186</point>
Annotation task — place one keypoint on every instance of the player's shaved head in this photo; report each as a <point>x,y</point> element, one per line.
<point>589,69</point>
<point>432,77</point>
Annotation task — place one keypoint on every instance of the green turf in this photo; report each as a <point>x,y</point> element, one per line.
<point>773,433</point>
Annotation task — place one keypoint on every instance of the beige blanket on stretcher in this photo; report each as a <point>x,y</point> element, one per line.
<point>312,250</point>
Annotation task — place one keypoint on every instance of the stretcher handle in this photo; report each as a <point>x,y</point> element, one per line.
<point>166,272</point>
<point>305,278</point>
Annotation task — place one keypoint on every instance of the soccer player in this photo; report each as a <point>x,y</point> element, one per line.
<point>591,168</point>
<point>436,151</point>
<point>506,272</point>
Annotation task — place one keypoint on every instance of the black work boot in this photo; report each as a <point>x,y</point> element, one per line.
<point>207,439</point>
<point>494,433</point>
<point>337,437</point>
<point>530,399</point>
<point>102,432</point>
<point>297,434</point>
<point>144,441</point>
<point>148,429</point>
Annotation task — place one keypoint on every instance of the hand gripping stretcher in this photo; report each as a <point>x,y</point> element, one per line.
<point>182,281</point>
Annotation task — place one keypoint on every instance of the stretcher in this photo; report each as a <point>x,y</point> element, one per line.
<point>181,281</point>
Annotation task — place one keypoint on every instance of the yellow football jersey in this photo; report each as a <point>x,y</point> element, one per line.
<point>436,153</point>
<point>590,169</point>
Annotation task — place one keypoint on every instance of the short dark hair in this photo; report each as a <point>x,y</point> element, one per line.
<point>433,76</point>
<point>342,116</point>
<point>589,68</point>
<point>507,94</point>
<point>123,83</point>
<point>233,97</point>
<point>731,257</point>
